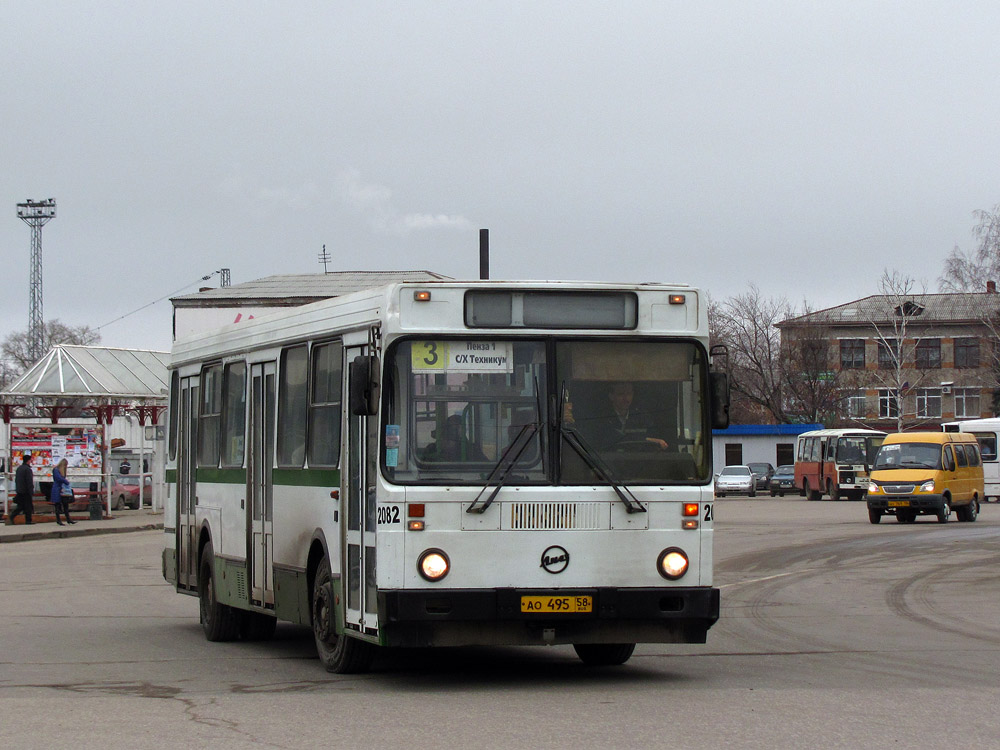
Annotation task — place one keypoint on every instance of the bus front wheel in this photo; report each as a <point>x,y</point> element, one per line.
<point>341,654</point>
<point>604,654</point>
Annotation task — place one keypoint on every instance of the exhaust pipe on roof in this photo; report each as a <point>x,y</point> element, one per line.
<point>484,254</point>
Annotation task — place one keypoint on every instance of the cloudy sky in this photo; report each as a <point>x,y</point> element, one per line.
<point>800,146</point>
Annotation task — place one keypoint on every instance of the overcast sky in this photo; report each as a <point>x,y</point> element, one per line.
<point>800,146</point>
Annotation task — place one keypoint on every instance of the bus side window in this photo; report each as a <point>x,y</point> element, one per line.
<point>210,416</point>
<point>292,407</point>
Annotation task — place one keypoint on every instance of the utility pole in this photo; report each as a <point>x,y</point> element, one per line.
<point>324,258</point>
<point>223,277</point>
<point>36,214</point>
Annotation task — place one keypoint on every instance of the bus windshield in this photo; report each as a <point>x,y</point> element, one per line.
<point>629,412</point>
<point>858,449</point>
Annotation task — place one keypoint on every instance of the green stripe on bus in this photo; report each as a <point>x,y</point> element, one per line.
<point>285,477</point>
<point>306,477</point>
<point>222,476</point>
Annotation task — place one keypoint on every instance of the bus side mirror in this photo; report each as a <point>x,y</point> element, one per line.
<point>719,394</point>
<point>364,386</point>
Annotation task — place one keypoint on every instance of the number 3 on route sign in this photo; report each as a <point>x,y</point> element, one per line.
<point>428,355</point>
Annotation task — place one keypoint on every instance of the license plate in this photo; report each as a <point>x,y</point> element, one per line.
<point>899,503</point>
<point>862,482</point>
<point>557,604</point>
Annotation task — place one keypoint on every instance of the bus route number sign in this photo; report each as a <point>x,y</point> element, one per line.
<point>462,356</point>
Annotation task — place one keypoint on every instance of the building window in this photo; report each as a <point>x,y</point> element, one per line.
<point>928,354</point>
<point>734,454</point>
<point>967,402</point>
<point>852,354</point>
<point>888,354</point>
<point>784,453</point>
<point>967,352</point>
<point>928,402</point>
<point>856,404</point>
<point>888,404</point>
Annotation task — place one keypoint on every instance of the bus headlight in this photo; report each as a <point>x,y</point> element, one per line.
<point>873,488</point>
<point>927,486</point>
<point>433,564</point>
<point>672,563</point>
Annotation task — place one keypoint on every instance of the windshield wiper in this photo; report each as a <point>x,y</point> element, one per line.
<point>508,459</point>
<point>590,457</point>
<point>603,471</point>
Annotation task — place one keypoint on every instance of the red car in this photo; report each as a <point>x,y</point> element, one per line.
<point>124,492</point>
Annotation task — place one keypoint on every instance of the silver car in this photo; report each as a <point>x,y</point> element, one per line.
<point>735,480</point>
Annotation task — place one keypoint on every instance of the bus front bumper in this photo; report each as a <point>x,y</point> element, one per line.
<point>458,617</point>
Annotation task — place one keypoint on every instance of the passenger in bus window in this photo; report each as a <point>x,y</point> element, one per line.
<point>617,422</point>
<point>452,444</point>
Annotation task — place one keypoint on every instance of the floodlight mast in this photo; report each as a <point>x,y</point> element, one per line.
<point>36,214</point>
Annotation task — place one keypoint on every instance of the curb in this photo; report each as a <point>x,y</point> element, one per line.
<point>29,536</point>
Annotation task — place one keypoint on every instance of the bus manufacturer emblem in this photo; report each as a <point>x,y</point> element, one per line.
<point>555,559</point>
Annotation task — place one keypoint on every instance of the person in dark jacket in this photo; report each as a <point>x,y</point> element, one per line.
<point>24,487</point>
<point>62,491</point>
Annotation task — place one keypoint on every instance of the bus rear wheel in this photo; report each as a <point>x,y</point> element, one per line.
<point>809,493</point>
<point>219,621</point>
<point>341,654</point>
<point>604,654</point>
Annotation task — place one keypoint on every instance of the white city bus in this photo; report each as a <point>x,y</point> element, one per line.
<point>432,464</point>
<point>987,432</point>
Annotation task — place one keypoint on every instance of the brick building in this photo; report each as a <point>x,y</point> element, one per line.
<point>913,361</point>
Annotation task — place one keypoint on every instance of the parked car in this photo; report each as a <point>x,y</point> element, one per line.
<point>735,480</point>
<point>782,480</point>
<point>125,491</point>
<point>82,491</point>
<point>761,474</point>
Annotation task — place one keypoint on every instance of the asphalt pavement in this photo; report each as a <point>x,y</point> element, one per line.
<point>45,526</point>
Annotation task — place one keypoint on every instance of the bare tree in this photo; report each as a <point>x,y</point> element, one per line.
<point>812,386</point>
<point>16,353</point>
<point>746,325</point>
<point>891,315</point>
<point>966,271</point>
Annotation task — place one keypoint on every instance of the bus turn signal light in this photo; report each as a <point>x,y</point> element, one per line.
<point>690,509</point>
<point>422,295</point>
<point>415,510</point>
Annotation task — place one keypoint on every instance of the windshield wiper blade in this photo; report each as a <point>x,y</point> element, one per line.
<point>508,459</point>
<point>603,471</point>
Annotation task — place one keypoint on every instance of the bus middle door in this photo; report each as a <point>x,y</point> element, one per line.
<point>187,447</point>
<point>260,495</point>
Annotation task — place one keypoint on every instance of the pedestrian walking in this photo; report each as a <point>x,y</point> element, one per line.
<point>62,491</point>
<point>24,487</point>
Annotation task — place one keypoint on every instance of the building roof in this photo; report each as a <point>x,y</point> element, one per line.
<point>968,307</point>
<point>767,429</point>
<point>95,372</point>
<point>299,289</point>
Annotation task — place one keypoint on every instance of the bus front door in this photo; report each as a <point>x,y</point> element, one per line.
<point>260,498</point>
<point>187,447</point>
<point>360,478</point>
